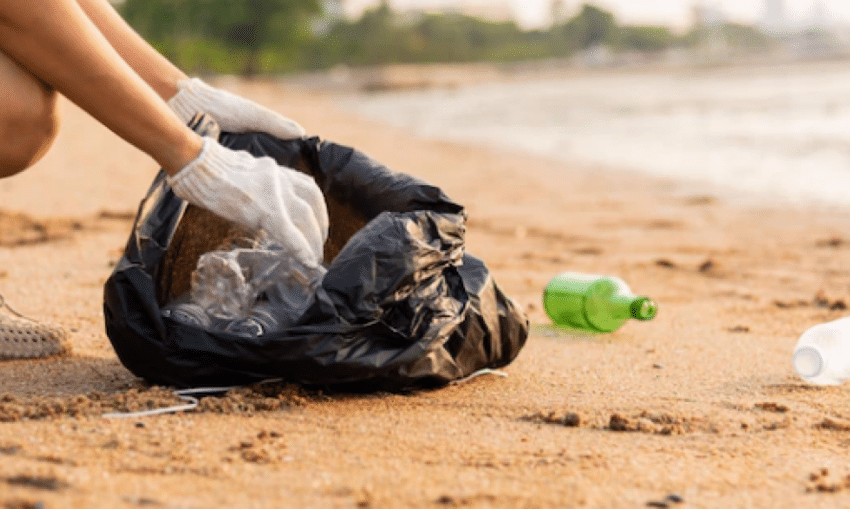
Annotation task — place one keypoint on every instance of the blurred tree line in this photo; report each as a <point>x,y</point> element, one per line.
<point>273,36</point>
<point>234,36</point>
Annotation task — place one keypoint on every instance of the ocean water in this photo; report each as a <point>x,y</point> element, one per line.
<point>780,133</point>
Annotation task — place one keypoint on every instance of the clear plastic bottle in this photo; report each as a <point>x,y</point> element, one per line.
<point>228,283</point>
<point>822,354</point>
<point>594,303</point>
<point>254,290</point>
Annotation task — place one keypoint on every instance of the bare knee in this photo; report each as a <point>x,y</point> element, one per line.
<point>27,138</point>
<point>29,121</point>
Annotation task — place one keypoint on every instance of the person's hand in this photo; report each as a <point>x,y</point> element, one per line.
<point>233,113</point>
<point>258,193</point>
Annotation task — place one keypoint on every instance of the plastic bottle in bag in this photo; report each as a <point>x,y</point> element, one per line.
<point>259,290</point>
<point>228,283</point>
<point>822,354</point>
<point>594,303</point>
<point>283,302</point>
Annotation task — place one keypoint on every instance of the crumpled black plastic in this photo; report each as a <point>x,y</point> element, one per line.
<point>402,306</point>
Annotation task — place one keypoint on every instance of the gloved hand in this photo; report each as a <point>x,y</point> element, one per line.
<point>258,193</point>
<point>233,113</point>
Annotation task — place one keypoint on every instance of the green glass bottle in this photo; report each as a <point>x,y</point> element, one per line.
<point>594,303</point>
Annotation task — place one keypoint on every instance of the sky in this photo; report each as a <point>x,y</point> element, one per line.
<point>675,13</point>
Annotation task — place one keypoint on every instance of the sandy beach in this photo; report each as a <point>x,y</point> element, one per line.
<point>699,408</point>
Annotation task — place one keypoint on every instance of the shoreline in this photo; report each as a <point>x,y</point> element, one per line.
<point>419,77</point>
<point>772,163</point>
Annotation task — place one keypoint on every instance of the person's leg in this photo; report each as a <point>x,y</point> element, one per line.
<point>28,117</point>
<point>28,126</point>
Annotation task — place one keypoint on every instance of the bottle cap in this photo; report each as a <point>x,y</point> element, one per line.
<point>809,362</point>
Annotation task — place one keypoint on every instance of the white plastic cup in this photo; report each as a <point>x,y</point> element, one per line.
<point>822,354</point>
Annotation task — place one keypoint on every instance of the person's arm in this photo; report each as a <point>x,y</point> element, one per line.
<point>57,42</point>
<point>185,96</point>
<point>148,63</point>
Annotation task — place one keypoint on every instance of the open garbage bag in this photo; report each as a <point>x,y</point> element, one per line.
<point>402,306</point>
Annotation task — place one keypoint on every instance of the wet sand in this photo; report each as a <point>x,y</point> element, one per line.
<point>697,408</point>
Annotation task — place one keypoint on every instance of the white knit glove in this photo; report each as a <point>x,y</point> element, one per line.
<point>258,193</point>
<point>233,113</point>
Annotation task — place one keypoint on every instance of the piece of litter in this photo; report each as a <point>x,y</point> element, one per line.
<point>187,395</point>
<point>191,404</point>
<point>485,371</point>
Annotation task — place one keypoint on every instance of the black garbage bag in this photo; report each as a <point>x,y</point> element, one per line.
<point>402,306</point>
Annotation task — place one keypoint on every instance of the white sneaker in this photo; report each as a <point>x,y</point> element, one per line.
<point>21,338</point>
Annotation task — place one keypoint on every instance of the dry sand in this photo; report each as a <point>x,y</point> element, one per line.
<point>698,408</point>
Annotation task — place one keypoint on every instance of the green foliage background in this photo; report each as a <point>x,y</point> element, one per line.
<point>275,36</point>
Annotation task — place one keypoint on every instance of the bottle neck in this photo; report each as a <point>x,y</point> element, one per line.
<point>640,308</point>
